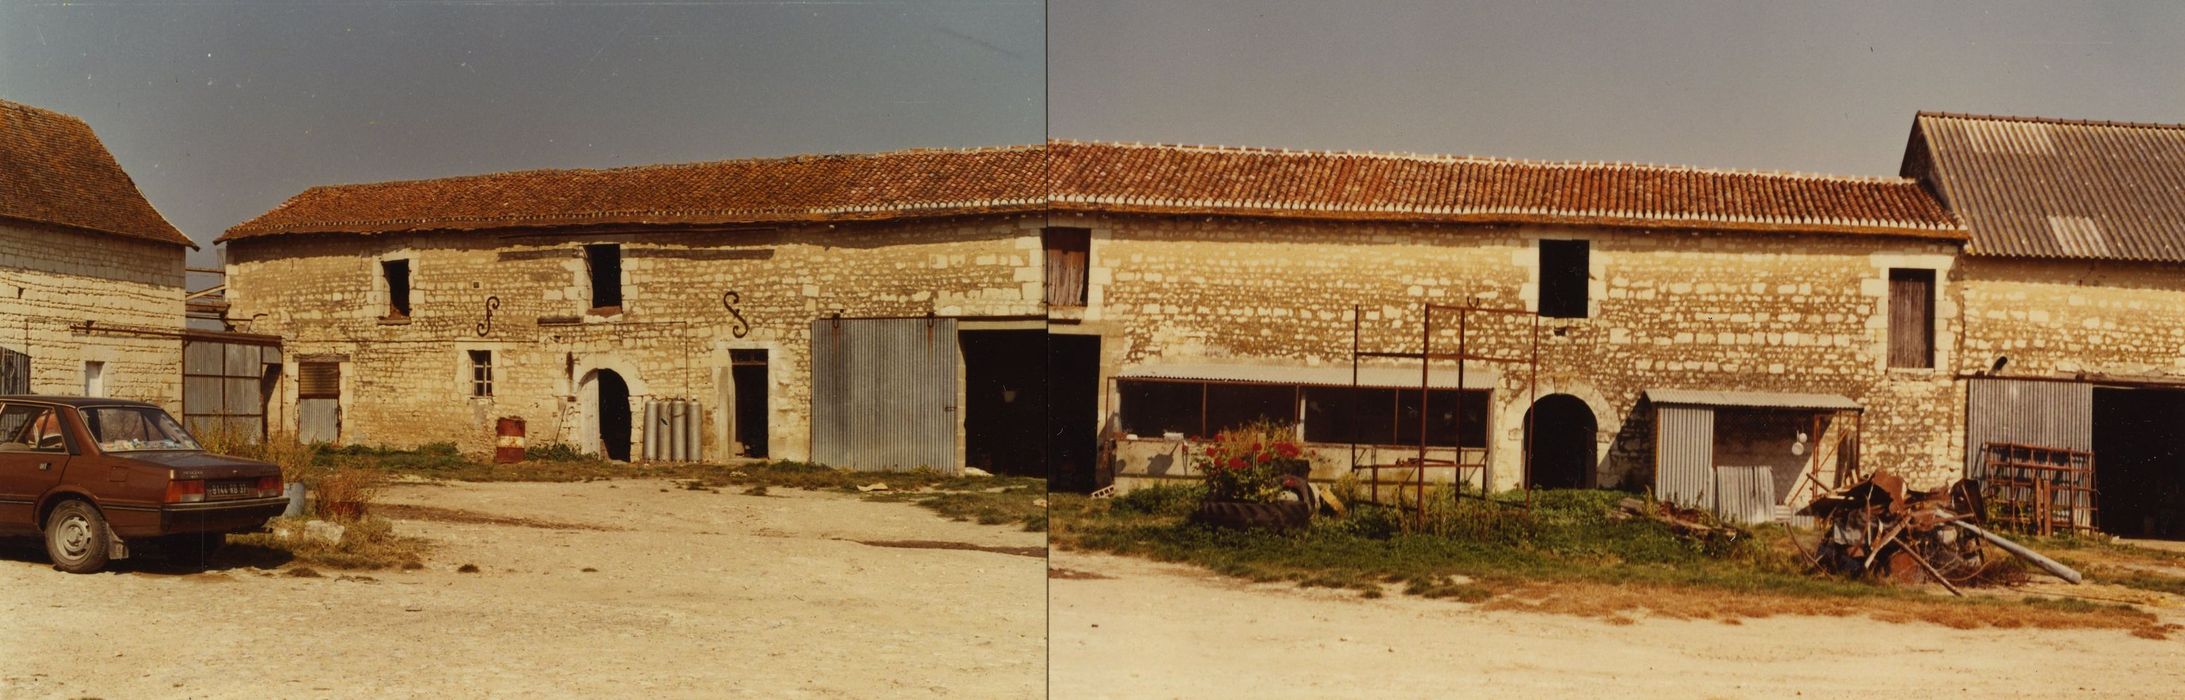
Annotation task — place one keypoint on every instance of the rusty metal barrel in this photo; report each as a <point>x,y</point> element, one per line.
<point>508,448</point>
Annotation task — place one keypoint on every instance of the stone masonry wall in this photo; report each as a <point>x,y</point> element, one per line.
<point>53,278</point>
<point>406,383</point>
<point>2063,318</point>
<point>1670,309</point>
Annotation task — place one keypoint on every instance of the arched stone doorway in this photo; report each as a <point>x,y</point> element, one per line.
<point>1560,440</point>
<point>607,398</point>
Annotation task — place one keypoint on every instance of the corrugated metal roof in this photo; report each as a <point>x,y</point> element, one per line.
<point>1442,377</point>
<point>2055,188</point>
<point>54,170</point>
<point>1749,399</point>
<point>1070,176</point>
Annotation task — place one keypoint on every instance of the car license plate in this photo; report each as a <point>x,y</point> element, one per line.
<point>231,488</point>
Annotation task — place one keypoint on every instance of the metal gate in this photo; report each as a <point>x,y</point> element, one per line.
<point>224,384</point>
<point>1684,455</point>
<point>884,393</point>
<point>14,372</point>
<point>2048,414</point>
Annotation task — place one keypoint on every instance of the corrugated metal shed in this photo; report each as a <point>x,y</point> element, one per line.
<point>1684,455</point>
<point>1750,399</point>
<point>2048,414</point>
<point>1377,377</point>
<point>2057,188</point>
<point>1745,494</point>
<point>884,393</point>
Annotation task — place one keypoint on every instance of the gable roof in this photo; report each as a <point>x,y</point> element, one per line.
<point>1072,176</point>
<point>54,170</point>
<point>2031,187</point>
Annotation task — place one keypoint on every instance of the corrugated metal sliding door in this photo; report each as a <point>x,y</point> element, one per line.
<point>2047,414</point>
<point>1684,455</point>
<point>884,393</point>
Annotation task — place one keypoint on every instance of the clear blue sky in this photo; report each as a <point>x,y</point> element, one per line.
<point>222,108</point>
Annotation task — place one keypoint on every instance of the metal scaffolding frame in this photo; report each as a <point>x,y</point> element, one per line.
<point>1426,356</point>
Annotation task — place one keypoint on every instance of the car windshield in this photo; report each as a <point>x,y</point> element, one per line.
<point>135,429</point>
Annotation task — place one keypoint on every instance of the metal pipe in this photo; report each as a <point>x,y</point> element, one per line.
<point>652,431</point>
<point>2021,551</point>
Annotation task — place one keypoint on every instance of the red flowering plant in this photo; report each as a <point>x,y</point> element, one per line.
<point>1247,463</point>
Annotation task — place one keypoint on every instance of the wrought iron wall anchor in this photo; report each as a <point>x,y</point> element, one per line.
<point>486,326</point>
<point>729,300</point>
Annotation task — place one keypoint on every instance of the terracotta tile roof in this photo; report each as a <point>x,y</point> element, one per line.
<point>2055,188</point>
<point>53,170</point>
<point>1071,176</point>
<point>1379,186</point>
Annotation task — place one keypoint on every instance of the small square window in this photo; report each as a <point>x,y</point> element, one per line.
<point>481,373</point>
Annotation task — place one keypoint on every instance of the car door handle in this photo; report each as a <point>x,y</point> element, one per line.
<point>45,466</point>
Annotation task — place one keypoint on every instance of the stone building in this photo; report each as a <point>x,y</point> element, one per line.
<point>634,312</point>
<point>2073,294</point>
<point>1032,308</point>
<point>1792,322</point>
<point>91,276</point>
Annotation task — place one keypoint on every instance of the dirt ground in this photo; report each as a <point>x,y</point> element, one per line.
<point>1130,628</point>
<point>695,594</point>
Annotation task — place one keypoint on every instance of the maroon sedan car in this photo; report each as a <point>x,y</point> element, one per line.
<point>94,476</point>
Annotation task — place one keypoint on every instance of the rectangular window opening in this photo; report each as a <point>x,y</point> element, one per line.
<point>397,273</point>
<point>605,263</point>
<point>94,379</point>
<point>1565,276</point>
<point>1069,251</point>
<point>1379,416</point>
<point>481,373</point>
<point>1153,409</point>
<point>1912,318</point>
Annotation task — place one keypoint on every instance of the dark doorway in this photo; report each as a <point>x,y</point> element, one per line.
<point>747,372</point>
<point>1005,401</point>
<point>1559,443</point>
<point>2139,468</point>
<point>1073,412</point>
<point>614,415</point>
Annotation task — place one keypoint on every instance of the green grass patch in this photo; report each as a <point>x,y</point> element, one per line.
<point>1570,553</point>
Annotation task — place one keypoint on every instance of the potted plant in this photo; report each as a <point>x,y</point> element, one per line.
<point>1255,476</point>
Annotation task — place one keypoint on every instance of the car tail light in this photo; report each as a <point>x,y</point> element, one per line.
<point>186,491</point>
<point>269,486</point>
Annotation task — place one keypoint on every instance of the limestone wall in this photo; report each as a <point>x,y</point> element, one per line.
<point>407,383</point>
<point>2056,317</point>
<point>53,279</point>
<point>1670,309</point>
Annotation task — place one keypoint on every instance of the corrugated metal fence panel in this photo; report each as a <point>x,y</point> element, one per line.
<point>1684,455</point>
<point>884,393</point>
<point>1745,494</point>
<point>2047,414</point>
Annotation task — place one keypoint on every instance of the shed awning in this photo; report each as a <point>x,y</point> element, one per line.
<point>1750,399</point>
<point>1441,377</point>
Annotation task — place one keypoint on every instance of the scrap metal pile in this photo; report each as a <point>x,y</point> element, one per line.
<point>1877,527</point>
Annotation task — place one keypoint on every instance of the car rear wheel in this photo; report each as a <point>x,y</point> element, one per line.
<point>76,537</point>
